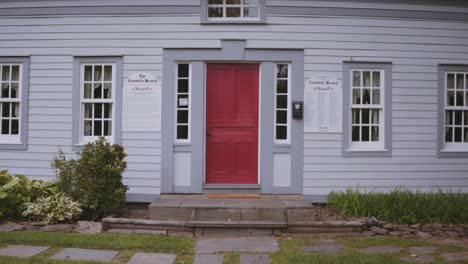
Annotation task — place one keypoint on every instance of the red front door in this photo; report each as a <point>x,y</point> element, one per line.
<point>232,124</point>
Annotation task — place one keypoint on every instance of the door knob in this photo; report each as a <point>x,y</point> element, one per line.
<point>208,133</point>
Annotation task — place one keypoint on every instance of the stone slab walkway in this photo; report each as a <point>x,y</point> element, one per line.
<point>152,258</point>
<point>324,247</point>
<point>86,254</point>
<point>260,245</point>
<point>21,251</point>
<point>208,259</point>
<point>255,259</point>
<point>381,250</point>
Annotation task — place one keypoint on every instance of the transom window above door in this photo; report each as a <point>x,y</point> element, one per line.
<point>233,11</point>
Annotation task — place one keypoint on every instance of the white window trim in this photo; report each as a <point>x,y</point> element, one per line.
<point>372,145</point>
<point>286,141</point>
<point>176,108</point>
<point>88,139</point>
<point>241,6</point>
<point>13,139</point>
<point>455,146</point>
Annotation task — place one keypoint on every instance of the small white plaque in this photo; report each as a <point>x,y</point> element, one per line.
<point>142,103</point>
<point>323,104</point>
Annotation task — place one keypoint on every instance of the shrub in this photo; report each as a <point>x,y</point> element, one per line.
<point>94,179</point>
<point>16,190</point>
<point>52,209</point>
<point>404,206</point>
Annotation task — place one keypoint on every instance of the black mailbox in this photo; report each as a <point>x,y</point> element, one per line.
<point>297,109</point>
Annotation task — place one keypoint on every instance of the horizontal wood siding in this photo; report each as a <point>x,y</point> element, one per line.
<point>415,47</point>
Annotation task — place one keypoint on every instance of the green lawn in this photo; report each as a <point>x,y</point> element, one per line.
<point>290,248</point>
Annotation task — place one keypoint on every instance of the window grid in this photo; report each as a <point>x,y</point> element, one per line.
<point>183,102</point>
<point>97,89</point>
<point>282,104</point>
<point>367,107</point>
<point>456,108</point>
<point>232,9</point>
<point>10,100</point>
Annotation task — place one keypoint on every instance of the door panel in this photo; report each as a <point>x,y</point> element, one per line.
<point>232,124</point>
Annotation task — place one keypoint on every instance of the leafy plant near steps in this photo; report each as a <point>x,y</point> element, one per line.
<point>16,190</point>
<point>52,209</point>
<point>403,206</point>
<point>94,179</point>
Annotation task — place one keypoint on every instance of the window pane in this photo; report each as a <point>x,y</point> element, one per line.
<point>281,101</point>
<point>15,73</point>
<point>365,116</point>
<point>98,110</point>
<point>183,70</point>
<point>107,128</point>
<point>5,90</point>
<point>15,110</point>
<point>87,90</point>
<point>215,12</point>
<point>182,132</point>
<point>459,98</point>
<point>376,96</point>
<point>458,134</point>
<point>450,98</point>
<point>5,73</point>
<point>5,109</point>
<point>233,12</point>
<point>108,73</point>
<point>450,81</point>
<point>88,128</point>
<point>250,2</point>
<point>282,71</point>
<point>375,116</point>
<point>366,96</point>
<point>182,86</point>
<point>448,118</point>
<point>376,79</point>
<point>182,116</point>
<point>375,133</point>
<point>14,127</point>
<point>98,128</point>
<point>281,116</point>
<point>88,73</point>
<point>460,83</point>
<point>465,139</point>
<point>365,133</point>
<point>448,134</point>
<point>458,117</point>
<point>366,76</point>
<point>215,2</point>
<point>466,118</point>
<point>250,12</point>
<point>281,132</point>
<point>233,2</point>
<point>356,116</point>
<point>356,96</point>
<point>14,90</point>
<point>97,91</point>
<point>355,133</point>
<point>356,78</point>
<point>182,101</point>
<point>98,73</point>
<point>107,110</point>
<point>5,126</point>
<point>282,86</point>
<point>107,90</point>
<point>88,112</point>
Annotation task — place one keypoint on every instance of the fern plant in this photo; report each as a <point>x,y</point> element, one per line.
<point>52,209</point>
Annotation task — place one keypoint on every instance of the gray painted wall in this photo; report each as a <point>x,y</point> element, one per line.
<point>414,47</point>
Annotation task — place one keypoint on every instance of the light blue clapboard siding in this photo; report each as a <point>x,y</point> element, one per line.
<point>415,47</point>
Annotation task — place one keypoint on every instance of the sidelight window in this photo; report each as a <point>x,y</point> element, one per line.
<point>183,90</point>
<point>282,103</point>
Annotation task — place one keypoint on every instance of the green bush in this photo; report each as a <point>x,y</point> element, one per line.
<point>16,190</point>
<point>52,209</point>
<point>94,179</point>
<point>403,206</point>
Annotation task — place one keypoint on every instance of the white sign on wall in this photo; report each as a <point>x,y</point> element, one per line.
<point>142,103</point>
<point>323,104</point>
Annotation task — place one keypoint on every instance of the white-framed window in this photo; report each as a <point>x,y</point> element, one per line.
<point>10,103</point>
<point>97,101</point>
<point>456,110</point>
<point>233,10</point>
<point>182,104</point>
<point>282,130</point>
<point>367,109</point>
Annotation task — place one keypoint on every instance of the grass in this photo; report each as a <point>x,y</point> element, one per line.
<point>290,249</point>
<point>403,206</point>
